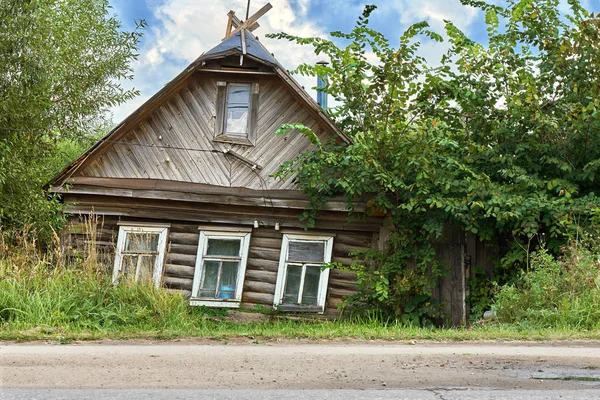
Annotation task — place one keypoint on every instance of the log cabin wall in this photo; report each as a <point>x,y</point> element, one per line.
<point>183,237</point>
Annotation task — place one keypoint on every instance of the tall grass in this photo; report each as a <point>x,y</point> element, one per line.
<point>39,289</point>
<point>561,293</point>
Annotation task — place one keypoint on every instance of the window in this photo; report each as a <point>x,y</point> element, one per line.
<point>220,268</point>
<point>140,254</point>
<point>301,281</point>
<point>237,112</point>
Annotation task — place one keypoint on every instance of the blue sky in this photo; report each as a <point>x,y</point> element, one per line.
<point>179,31</point>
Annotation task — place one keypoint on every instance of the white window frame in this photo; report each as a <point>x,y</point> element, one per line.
<point>282,270</point>
<point>239,285</point>
<point>157,271</point>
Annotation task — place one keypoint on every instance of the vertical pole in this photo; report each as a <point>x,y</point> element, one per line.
<point>247,10</point>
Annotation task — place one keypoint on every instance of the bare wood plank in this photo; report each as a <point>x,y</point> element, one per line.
<point>252,20</point>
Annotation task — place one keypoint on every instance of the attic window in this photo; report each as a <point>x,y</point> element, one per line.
<point>237,112</point>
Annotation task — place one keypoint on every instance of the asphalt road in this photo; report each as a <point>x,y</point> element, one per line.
<point>296,370</point>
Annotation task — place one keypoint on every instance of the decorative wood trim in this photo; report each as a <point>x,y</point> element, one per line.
<point>254,103</point>
<point>135,224</point>
<point>228,139</point>
<point>216,303</point>
<point>220,108</point>
<point>217,228</point>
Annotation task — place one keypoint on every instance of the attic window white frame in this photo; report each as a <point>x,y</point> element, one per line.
<point>157,270</point>
<point>205,235</point>
<point>282,273</point>
<point>221,107</point>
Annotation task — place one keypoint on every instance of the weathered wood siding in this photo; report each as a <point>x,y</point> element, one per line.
<point>182,244</point>
<point>186,120</point>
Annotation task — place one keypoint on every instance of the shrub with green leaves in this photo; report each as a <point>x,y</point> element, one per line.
<point>500,139</point>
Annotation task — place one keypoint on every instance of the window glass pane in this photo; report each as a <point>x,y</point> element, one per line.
<point>145,269</point>
<point>306,251</point>
<point>229,271</point>
<point>128,266</point>
<point>210,279</point>
<point>223,247</point>
<point>311,285</point>
<point>141,242</point>
<point>238,105</point>
<point>292,284</point>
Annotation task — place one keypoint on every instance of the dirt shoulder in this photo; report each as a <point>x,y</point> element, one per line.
<point>300,365</point>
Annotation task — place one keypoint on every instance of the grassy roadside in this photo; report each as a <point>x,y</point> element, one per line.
<point>43,299</point>
<point>274,329</point>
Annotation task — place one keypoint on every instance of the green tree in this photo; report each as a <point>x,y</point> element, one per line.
<point>60,66</point>
<point>500,139</point>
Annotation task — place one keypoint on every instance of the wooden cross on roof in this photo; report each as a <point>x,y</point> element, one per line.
<point>234,24</point>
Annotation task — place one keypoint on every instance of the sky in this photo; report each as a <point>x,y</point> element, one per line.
<point>179,31</point>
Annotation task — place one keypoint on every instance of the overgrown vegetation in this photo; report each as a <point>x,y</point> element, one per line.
<point>500,140</point>
<point>557,293</point>
<point>60,64</point>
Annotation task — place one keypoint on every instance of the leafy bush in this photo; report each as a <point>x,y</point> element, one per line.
<point>562,292</point>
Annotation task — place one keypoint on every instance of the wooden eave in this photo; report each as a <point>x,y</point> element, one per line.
<point>196,192</point>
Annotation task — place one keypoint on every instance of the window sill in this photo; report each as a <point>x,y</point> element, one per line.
<point>216,303</point>
<point>229,139</point>
<point>300,309</point>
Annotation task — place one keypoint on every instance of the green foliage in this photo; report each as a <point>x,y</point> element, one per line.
<point>60,64</point>
<point>561,292</point>
<point>500,139</point>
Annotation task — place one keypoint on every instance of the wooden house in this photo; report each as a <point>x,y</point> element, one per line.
<point>185,191</point>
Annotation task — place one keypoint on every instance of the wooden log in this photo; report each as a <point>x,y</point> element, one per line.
<point>264,254</point>
<point>338,284</point>
<point>181,259</point>
<point>340,274</point>
<point>183,248</point>
<point>262,265</point>
<point>265,299</point>
<point>269,243</point>
<point>184,238</point>
<point>259,287</point>
<point>172,282</point>
<point>261,276</point>
<point>342,260</point>
<point>184,228</point>
<point>183,271</point>
<point>340,293</point>
<point>359,240</point>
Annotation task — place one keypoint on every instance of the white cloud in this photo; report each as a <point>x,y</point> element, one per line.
<point>188,28</point>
